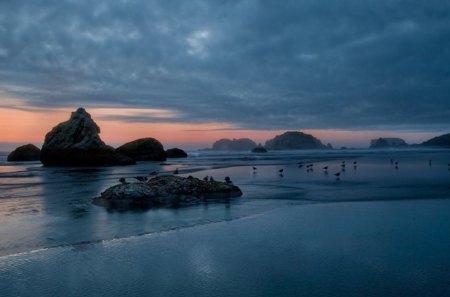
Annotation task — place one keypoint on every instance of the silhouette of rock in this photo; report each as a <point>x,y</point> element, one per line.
<point>176,153</point>
<point>294,140</point>
<point>443,140</point>
<point>144,149</point>
<point>387,143</point>
<point>76,142</point>
<point>28,152</point>
<point>167,190</point>
<point>241,144</point>
<point>259,149</point>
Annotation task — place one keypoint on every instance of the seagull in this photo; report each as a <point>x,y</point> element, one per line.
<point>281,171</point>
<point>325,168</point>
<point>176,171</point>
<point>254,169</point>
<point>122,180</point>
<point>355,163</point>
<point>337,174</point>
<point>228,180</point>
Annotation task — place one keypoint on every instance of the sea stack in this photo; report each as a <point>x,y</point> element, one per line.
<point>28,152</point>
<point>144,149</point>
<point>76,142</point>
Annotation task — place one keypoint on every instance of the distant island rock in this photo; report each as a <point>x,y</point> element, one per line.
<point>144,149</point>
<point>166,190</point>
<point>259,149</point>
<point>241,144</point>
<point>28,152</point>
<point>294,140</point>
<point>176,153</point>
<point>388,143</point>
<point>76,142</point>
<point>439,141</point>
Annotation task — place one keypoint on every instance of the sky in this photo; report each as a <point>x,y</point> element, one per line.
<point>191,72</point>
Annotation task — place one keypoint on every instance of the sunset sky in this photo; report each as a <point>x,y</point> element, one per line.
<point>191,72</point>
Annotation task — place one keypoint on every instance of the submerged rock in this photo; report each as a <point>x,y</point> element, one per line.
<point>167,190</point>
<point>259,149</point>
<point>144,149</point>
<point>176,153</point>
<point>28,152</point>
<point>76,142</point>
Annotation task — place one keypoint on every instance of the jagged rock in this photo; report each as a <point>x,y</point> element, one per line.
<point>443,140</point>
<point>241,144</point>
<point>166,190</point>
<point>76,142</point>
<point>176,153</point>
<point>387,143</point>
<point>144,149</point>
<point>28,152</point>
<point>293,140</point>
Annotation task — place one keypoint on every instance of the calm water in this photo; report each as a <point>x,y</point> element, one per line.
<point>376,231</point>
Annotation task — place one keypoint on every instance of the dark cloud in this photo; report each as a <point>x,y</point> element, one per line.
<point>347,64</point>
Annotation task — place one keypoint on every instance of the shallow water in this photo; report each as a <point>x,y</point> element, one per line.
<point>377,230</point>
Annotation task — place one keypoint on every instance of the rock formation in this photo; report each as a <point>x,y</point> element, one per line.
<point>28,152</point>
<point>166,190</point>
<point>176,153</point>
<point>259,149</point>
<point>293,140</point>
<point>241,144</point>
<point>439,141</point>
<point>144,149</point>
<point>387,143</point>
<point>76,142</point>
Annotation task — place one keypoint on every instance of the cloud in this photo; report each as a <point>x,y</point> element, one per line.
<point>342,64</point>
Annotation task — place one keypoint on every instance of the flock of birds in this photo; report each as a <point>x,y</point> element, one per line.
<point>309,168</point>
<point>143,179</point>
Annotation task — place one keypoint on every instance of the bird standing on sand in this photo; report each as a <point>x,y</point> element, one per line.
<point>337,174</point>
<point>254,169</point>
<point>280,171</point>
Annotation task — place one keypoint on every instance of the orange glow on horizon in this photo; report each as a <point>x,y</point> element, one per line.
<point>31,124</point>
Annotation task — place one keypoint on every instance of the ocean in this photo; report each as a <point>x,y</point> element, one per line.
<point>376,230</point>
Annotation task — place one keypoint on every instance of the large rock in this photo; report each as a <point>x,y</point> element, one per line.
<point>76,142</point>
<point>387,143</point>
<point>176,153</point>
<point>439,141</point>
<point>166,190</point>
<point>241,144</point>
<point>259,149</point>
<point>293,140</point>
<point>28,152</point>
<point>144,149</point>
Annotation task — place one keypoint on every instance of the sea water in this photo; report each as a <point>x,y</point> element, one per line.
<point>376,230</point>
